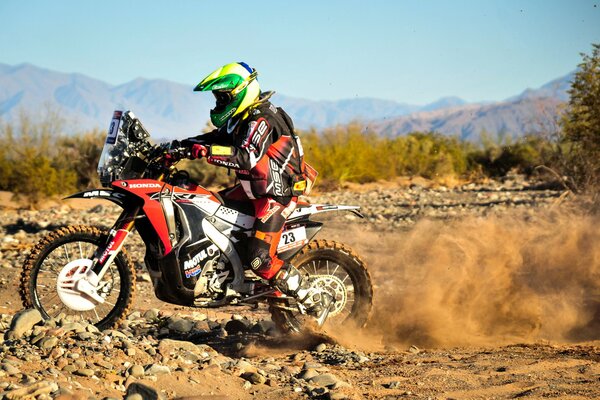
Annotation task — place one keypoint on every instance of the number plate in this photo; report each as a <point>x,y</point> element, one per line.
<point>291,239</point>
<point>113,130</point>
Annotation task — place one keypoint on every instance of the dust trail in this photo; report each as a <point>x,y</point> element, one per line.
<point>486,281</point>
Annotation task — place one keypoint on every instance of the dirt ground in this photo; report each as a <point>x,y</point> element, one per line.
<point>499,307</point>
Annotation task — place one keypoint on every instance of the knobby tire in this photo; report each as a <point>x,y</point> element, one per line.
<point>77,233</point>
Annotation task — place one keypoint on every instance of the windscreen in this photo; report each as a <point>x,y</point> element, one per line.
<point>107,161</point>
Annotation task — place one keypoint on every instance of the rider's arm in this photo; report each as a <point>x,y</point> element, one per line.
<point>257,140</point>
<point>214,137</point>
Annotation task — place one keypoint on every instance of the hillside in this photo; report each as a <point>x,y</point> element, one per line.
<point>505,119</point>
<point>171,109</point>
<point>168,109</point>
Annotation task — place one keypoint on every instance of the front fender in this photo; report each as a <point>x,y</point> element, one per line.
<point>108,194</point>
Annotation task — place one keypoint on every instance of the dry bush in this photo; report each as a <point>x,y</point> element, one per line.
<point>347,153</point>
<point>36,161</point>
<point>497,158</point>
<point>33,166</point>
<point>81,153</point>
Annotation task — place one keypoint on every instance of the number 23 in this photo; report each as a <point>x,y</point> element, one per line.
<point>288,238</point>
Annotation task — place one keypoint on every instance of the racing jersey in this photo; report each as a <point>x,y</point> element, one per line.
<point>261,147</point>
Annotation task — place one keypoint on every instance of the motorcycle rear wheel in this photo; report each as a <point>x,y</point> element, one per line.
<point>345,276</point>
<point>38,285</point>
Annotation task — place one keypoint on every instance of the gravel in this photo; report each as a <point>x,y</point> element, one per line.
<point>64,355</point>
<point>400,208</point>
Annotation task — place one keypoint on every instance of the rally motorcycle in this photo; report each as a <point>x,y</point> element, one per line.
<point>193,239</point>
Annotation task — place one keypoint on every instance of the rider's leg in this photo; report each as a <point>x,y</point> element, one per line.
<point>266,232</point>
<point>262,250</point>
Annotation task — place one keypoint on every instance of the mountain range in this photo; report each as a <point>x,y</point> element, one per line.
<point>170,109</point>
<point>534,111</point>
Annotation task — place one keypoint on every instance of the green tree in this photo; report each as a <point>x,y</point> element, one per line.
<point>581,123</point>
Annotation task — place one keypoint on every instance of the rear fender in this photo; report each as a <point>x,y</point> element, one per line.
<point>119,198</point>
<point>305,211</point>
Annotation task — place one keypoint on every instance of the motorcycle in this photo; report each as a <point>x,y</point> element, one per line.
<point>193,238</point>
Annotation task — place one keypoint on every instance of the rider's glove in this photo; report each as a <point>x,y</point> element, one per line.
<point>198,151</point>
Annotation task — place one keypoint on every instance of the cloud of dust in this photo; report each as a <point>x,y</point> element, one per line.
<point>487,280</point>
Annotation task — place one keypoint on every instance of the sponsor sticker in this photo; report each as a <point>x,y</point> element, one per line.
<point>272,210</point>
<point>109,249</point>
<point>193,272</point>
<point>276,178</point>
<point>255,263</point>
<point>193,267</point>
<point>224,163</point>
<point>103,193</point>
<point>144,185</point>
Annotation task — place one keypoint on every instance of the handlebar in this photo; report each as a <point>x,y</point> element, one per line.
<point>179,153</point>
<point>168,154</point>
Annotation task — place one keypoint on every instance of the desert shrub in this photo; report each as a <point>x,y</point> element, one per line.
<point>39,178</point>
<point>33,166</point>
<point>348,153</point>
<point>345,153</point>
<point>523,155</point>
<point>6,167</point>
<point>81,154</point>
<point>430,155</point>
<point>36,161</point>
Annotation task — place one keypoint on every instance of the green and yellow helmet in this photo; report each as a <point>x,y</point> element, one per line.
<point>235,88</point>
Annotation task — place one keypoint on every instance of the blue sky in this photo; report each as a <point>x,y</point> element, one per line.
<point>408,51</point>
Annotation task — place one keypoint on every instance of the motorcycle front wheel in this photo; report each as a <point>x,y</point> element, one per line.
<point>49,264</point>
<point>338,269</point>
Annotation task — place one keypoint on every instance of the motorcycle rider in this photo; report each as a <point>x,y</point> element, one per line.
<point>257,140</point>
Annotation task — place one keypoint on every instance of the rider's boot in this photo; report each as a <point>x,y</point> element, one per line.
<point>314,300</point>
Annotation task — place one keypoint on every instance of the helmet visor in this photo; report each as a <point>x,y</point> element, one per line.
<point>223,97</point>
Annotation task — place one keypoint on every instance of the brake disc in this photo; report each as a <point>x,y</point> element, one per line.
<point>67,283</point>
<point>335,287</point>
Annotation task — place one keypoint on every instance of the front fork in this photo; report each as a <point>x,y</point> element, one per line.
<point>105,255</point>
